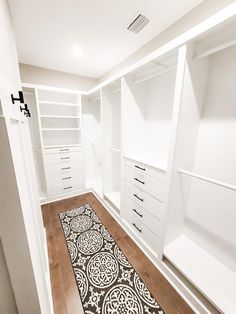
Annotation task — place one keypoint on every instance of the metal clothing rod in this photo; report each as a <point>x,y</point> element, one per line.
<point>208,179</point>
<point>148,77</point>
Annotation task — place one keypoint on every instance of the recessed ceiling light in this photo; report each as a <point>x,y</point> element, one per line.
<point>77,52</point>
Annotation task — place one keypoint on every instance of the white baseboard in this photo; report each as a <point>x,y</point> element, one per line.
<point>63,196</point>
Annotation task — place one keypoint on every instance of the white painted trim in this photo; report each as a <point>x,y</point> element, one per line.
<point>53,88</point>
<point>180,40</point>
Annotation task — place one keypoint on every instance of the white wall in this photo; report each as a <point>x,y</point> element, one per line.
<point>7,301</point>
<point>41,76</point>
<point>196,16</point>
<point>17,284</point>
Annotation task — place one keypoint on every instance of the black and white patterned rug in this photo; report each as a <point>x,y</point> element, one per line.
<point>107,282</point>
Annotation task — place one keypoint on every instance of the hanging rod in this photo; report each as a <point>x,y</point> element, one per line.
<point>216,49</point>
<point>95,99</point>
<point>114,91</point>
<point>148,77</point>
<point>108,148</point>
<point>208,179</point>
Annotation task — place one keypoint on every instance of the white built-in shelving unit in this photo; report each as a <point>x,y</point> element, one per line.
<point>56,132</point>
<point>200,235</point>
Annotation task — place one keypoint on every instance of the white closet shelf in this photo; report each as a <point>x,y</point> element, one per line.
<point>212,278</point>
<point>158,164</point>
<point>114,198</point>
<point>61,129</point>
<point>58,103</point>
<point>95,99</point>
<point>61,146</point>
<point>60,117</point>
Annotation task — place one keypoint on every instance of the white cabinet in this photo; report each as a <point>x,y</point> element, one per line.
<point>56,131</point>
<point>63,169</point>
<point>144,210</point>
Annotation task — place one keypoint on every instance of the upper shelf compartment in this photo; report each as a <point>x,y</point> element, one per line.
<point>221,37</point>
<point>148,102</point>
<point>54,104</point>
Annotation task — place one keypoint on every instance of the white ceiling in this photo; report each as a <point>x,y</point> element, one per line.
<point>47,30</point>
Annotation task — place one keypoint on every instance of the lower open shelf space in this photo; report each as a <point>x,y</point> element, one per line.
<point>114,198</point>
<point>212,278</point>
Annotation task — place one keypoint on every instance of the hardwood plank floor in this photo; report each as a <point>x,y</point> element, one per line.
<point>66,298</point>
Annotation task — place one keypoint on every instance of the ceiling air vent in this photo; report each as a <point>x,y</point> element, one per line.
<point>138,23</point>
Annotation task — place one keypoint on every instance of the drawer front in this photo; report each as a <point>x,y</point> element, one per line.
<point>148,202</point>
<point>142,231</point>
<point>54,189</point>
<point>63,178</point>
<point>135,223</point>
<point>144,169</point>
<point>61,150</point>
<point>152,185</point>
<point>61,158</point>
<point>151,239</point>
<point>144,216</point>
<point>64,168</point>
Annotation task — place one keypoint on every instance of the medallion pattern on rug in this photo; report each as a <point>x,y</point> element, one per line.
<point>107,282</point>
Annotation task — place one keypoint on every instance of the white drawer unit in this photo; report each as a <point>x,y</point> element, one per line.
<point>63,169</point>
<point>144,202</point>
<point>151,222</point>
<point>153,185</point>
<point>151,204</point>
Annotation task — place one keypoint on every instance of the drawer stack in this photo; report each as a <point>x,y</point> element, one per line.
<point>144,195</point>
<point>63,169</point>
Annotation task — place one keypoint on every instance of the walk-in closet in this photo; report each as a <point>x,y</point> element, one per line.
<point>135,173</point>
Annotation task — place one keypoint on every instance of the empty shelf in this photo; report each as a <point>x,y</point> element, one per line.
<point>114,198</point>
<point>212,278</point>
<point>60,129</point>
<point>59,117</point>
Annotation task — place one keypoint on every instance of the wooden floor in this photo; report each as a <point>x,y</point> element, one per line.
<point>65,292</point>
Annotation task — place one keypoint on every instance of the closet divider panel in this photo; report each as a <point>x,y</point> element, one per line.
<point>30,96</point>
<point>92,141</point>
<point>111,134</point>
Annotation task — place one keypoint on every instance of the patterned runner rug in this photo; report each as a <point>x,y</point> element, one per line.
<point>107,282</point>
